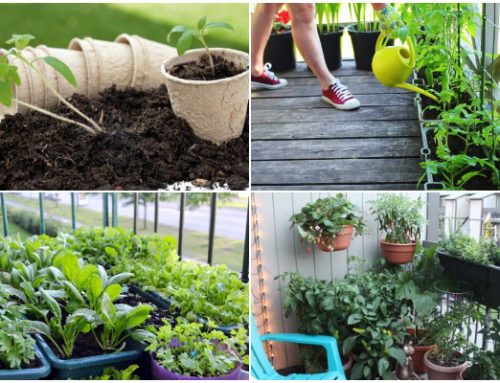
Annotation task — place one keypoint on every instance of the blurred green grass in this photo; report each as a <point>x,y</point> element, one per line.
<point>56,24</point>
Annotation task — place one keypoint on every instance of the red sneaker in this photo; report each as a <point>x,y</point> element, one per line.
<point>267,80</point>
<point>339,96</point>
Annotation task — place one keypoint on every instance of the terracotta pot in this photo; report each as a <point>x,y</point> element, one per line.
<point>215,109</point>
<point>436,372</point>
<point>340,242</point>
<point>418,357</point>
<point>398,253</point>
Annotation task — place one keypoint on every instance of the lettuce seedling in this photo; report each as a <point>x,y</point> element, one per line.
<point>188,34</point>
<point>9,77</point>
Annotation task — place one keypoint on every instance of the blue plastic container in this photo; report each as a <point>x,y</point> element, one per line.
<point>90,366</point>
<point>28,373</point>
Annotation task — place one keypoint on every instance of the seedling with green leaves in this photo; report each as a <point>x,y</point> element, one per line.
<point>9,77</point>
<point>189,34</point>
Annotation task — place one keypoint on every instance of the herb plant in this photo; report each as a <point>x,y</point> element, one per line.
<point>399,217</point>
<point>17,347</point>
<point>9,77</point>
<point>111,373</point>
<point>482,251</point>
<point>187,350</point>
<point>189,34</point>
<point>326,217</point>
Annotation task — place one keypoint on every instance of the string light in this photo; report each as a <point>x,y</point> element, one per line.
<point>260,277</point>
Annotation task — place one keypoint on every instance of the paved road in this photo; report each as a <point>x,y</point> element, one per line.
<point>230,222</point>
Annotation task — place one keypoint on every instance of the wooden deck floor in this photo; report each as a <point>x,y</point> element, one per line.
<point>301,143</point>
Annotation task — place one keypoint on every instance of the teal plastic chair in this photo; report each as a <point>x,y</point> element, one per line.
<point>263,370</point>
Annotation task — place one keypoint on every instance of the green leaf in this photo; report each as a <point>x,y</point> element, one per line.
<point>6,93</point>
<point>354,318</point>
<point>62,68</point>
<point>137,316</point>
<point>35,327</point>
<point>201,22</point>
<point>184,42</point>
<point>113,291</point>
<point>108,310</point>
<point>20,41</point>
<point>176,29</point>
<point>219,25</point>
<point>397,354</point>
<point>349,344</point>
<point>120,278</point>
<point>382,366</point>
<point>52,303</point>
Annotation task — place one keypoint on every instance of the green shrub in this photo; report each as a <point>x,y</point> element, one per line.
<point>30,222</point>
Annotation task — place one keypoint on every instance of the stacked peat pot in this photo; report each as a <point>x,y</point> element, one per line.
<point>130,61</point>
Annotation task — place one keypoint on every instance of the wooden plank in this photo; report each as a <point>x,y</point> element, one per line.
<point>346,80</point>
<point>336,148</point>
<point>348,69</point>
<point>337,187</point>
<point>316,102</point>
<point>334,116</point>
<point>315,90</point>
<point>358,129</point>
<point>346,171</point>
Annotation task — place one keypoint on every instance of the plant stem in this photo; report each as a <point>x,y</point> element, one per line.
<point>56,116</point>
<point>210,58</point>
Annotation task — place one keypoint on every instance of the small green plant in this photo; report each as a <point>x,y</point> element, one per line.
<point>326,217</point>
<point>189,34</point>
<point>17,347</point>
<point>187,350</point>
<point>329,12</point>
<point>359,11</point>
<point>111,373</point>
<point>399,217</point>
<point>482,251</point>
<point>9,77</point>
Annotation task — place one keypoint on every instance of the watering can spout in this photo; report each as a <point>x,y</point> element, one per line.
<point>393,65</point>
<point>416,89</point>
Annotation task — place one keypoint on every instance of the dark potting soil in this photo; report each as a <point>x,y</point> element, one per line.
<point>144,146</point>
<point>156,317</point>
<point>32,364</point>
<point>201,70</point>
<point>85,345</point>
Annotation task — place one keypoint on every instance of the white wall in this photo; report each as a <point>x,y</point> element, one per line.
<point>282,250</point>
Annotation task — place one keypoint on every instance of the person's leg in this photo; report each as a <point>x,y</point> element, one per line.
<point>262,25</point>
<point>306,37</point>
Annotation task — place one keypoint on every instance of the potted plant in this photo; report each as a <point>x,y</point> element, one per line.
<point>330,33</point>
<point>450,333</point>
<point>329,222</point>
<point>364,36</point>
<point>185,352</point>
<point>208,87</point>
<point>279,51</point>
<point>400,218</point>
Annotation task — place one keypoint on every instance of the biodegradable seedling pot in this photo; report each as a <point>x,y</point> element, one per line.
<point>112,63</point>
<point>436,372</point>
<point>398,253</point>
<point>340,242</point>
<point>28,373</point>
<point>161,373</point>
<point>86,367</point>
<point>279,51</point>
<point>148,56</point>
<point>215,109</point>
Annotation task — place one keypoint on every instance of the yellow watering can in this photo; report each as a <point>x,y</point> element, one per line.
<point>392,65</point>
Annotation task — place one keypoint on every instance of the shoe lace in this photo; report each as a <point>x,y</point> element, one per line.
<point>341,91</point>
<point>268,73</point>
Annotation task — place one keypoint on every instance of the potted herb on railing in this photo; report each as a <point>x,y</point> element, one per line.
<point>208,87</point>
<point>400,218</point>
<point>330,33</point>
<point>450,332</point>
<point>185,352</point>
<point>279,51</point>
<point>329,222</point>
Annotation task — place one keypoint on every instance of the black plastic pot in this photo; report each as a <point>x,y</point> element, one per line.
<point>484,279</point>
<point>330,42</point>
<point>279,52</point>
<point>28,373</point>
<point>363,44</point>
<point>90,366</point>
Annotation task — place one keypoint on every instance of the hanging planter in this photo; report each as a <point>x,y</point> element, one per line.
<point>400,218</point>
<point>329,222</point>
<point>279,51</point>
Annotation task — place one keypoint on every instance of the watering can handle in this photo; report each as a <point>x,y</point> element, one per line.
<point>411,47</point>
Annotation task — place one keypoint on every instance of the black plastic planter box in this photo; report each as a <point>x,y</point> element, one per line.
<point>28,373</point>
<point>279,52</point>
<point>484,279</point>
<point>225,329</point>
<point>87,367</point>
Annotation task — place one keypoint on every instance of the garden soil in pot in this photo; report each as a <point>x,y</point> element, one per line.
<point>144,146</point>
